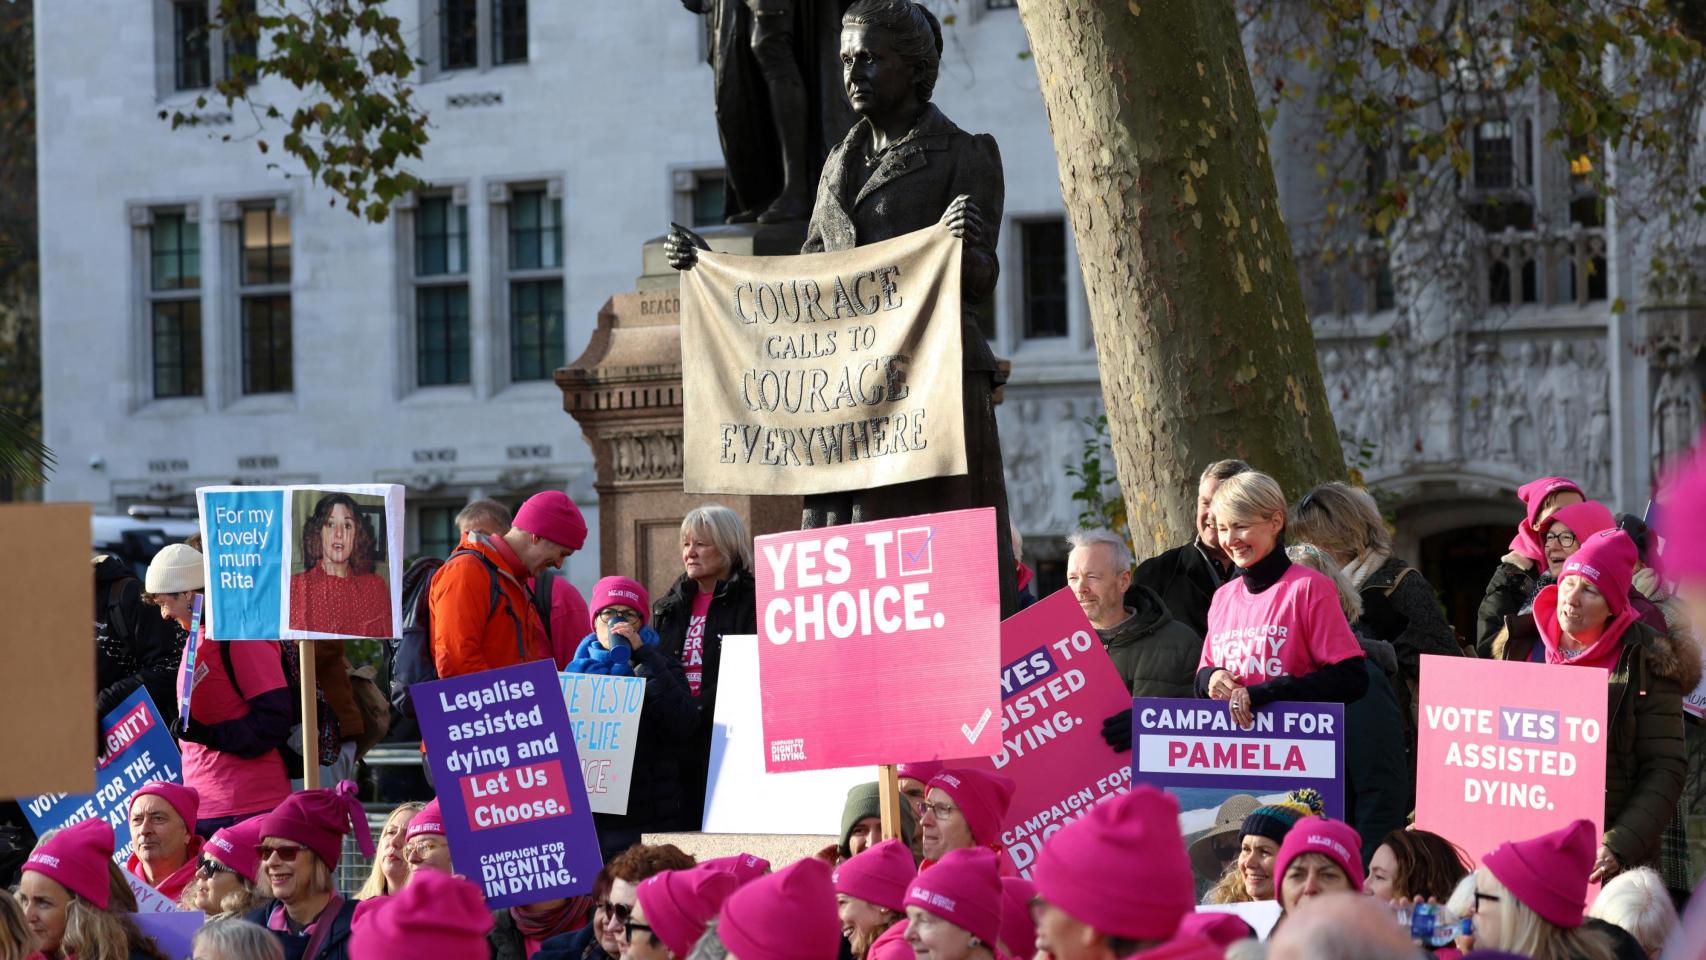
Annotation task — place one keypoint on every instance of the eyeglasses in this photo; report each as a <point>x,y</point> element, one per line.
<point>629,926</point>
<point>1479,896</point>
<point>286,852</point>
<point>942,810</point>
<point>616,911</point>
<point>1038,905</point>
<point>207,867</point>
<point>609,614</point>
<point>1565,540</point>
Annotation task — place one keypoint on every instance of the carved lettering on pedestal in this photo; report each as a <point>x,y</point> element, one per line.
<point>660,304</point>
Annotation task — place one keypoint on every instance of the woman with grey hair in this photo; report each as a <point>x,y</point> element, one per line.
<point>712,598</point>
<point>236,940</point>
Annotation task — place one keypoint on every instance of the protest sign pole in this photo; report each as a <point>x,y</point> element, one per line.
<point>888,799</point>
<point>310,717</point>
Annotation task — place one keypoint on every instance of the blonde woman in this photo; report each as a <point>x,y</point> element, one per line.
<point>226,879</point>
<point>65,893</point>
<point>1378,787</point>
<point>390,871</point>
<point>16,940</point>
<point>1278,632</point>
<point>712,598</point>
<point>1531,897</point>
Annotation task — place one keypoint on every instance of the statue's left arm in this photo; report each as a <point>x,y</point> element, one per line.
<point>979,176</point>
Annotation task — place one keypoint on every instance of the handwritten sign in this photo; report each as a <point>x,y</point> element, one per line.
<point>1193,749</point>
<point>1057,686</point>
<point>139,750</point>
<point>1508,749</point>
<point>823,372</point>
<point>515,813</point>
<point>604,712</point>
<point>875,607</point>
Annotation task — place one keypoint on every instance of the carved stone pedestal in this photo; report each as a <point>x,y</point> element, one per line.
<point>625,391</point>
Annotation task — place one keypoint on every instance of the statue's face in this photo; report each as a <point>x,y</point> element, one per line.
<point>876,79</point>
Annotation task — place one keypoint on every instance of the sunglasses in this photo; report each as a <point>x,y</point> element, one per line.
<point>207,867</point>
<point>286,852</point>
<point>619,911</point>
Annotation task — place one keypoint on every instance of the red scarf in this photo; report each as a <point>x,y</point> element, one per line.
<point>1603,652</point>
<point>536,927</point>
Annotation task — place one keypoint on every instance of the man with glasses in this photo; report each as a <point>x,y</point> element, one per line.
<point>614,896</point>
<point>1187,576</point>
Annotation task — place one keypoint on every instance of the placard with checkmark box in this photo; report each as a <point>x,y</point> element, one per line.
<point>915,554</point>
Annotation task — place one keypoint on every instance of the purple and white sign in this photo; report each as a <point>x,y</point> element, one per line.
<point>1194,750</point>
<point>509,783</point>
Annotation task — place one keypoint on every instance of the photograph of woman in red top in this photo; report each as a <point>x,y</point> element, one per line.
<point>338,590</point>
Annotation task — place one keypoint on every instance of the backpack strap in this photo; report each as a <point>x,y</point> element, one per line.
<point>543,585</point>
<point>1399,579</point>
<point>115,608</point>
<point>231,670</point>
<point>497,594</point>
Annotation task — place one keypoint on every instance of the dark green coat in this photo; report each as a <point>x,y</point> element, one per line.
<point>1644,756</point>
<point>1155,654</point>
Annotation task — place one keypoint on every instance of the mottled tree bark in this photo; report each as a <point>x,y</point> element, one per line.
<point>1202,340</point>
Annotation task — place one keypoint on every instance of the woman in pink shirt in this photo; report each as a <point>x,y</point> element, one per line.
<point>1275,631</point>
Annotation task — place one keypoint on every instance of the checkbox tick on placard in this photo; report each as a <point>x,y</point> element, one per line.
<point>971,732</point>
<point>915,553</point>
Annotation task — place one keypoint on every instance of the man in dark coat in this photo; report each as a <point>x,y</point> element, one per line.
<point>1186,577</point>
<point>904,167</point>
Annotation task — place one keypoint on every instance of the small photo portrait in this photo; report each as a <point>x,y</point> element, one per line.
<point>340,578</point>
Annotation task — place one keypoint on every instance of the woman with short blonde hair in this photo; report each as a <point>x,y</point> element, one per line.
<point>1277,632</point>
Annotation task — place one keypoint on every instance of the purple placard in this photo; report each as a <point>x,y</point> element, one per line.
<point>1192,749</point>
<point>509,783</point>
<point>173,933</point>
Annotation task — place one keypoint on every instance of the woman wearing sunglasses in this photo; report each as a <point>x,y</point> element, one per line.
<point>614,896</point>
<point>622,643</point>
<point>225,874</point>
<point>298,854</point>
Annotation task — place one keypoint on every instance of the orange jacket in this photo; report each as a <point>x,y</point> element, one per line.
<point>467,634</point>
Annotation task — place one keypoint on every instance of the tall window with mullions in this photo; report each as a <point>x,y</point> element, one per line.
<point>509,34</point>
<point>174,305</point>
<point>263,290</point>
<point>535,277</point>
<point>459,33</point>
<point>441,292</point>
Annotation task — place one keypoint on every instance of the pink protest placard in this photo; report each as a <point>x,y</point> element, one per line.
<point>1508,750</point>
<point>879,642</point>
<point>1057,686</point>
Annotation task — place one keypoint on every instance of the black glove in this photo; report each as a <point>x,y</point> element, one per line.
<point>1116,730</point>
<point>1381,617</point>
<point>193,730</point>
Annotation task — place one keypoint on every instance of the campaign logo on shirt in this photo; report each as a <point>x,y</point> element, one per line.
<point>1251,651</point>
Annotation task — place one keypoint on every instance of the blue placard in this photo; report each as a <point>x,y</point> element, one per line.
<point>244,542</point>
<point>1192,749</point>
<point>139,750</point>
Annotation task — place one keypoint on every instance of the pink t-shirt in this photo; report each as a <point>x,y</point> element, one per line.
<point>693,648</point>
<point>1294,627</point>
<point>230,784</point>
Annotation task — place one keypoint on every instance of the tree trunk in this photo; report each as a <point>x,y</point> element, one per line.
<point>1204,346</point>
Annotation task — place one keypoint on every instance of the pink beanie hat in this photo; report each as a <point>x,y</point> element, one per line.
<point>621,591</point>
<point>982,797</point>
<point>1549,873</point>
<point>1607,560</point>
<point>437,915</point>
<point>879,875</point>
<point>555,517</point>
<point>788,915</point>
<point>1584,520</point>
<point>922,771</point>
<point>679,903</point>
<point>746,867</point>
<point>963,888</point>
<point>1221,929</point>
<point>1681,525</point>
<point>319,819</point>
<point>185,800</point>
<point>1088,870</point>
<point>426,820</point>
<point>77,857</point>
<point>235,846</point>
<point>1336,840</point>
<point>1018,927</point>
<point>1532,495</point>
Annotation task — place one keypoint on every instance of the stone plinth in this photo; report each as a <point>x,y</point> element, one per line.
<point>625,391</point>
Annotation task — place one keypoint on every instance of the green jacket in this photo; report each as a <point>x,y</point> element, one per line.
<point>1155,654</point>
<point>1644,755</point>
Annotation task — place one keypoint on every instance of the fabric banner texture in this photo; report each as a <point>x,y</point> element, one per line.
<point>825,371</point>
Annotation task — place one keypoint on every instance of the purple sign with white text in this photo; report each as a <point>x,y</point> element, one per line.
<point>509,783</point>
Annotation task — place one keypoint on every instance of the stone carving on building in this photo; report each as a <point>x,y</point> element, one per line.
<point>646,455</point>
<point>1041,435</point>
<point>1676,408</point>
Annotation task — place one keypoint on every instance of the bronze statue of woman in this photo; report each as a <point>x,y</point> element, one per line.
<point>903,167</point>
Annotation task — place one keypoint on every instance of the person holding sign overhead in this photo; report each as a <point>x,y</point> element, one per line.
<point>1586,619</point>
<point>235,725</point>
<point>1276,632</point>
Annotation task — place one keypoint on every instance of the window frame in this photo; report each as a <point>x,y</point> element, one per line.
<point>685,183</point>
<point>1021,229</point>
<point>486,45</point>
<point>414,281</point>
<point>501,196</point>
<point>143,216</point>
<point>218,51</point>
<point>270,291</point>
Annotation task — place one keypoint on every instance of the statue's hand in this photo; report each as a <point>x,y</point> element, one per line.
<point>682,247</point>
<point>694,6</point>
<point>963,219</point>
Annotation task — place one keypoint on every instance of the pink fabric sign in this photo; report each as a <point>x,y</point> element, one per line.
<point>1508,750</point>
<point>879,642</point>
<point>1057,686</point>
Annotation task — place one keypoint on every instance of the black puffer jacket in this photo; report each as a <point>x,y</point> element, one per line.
<point>1185,579</point>
<point>134,646</point>
<point>1155,654</point>
<point>733,612</point>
